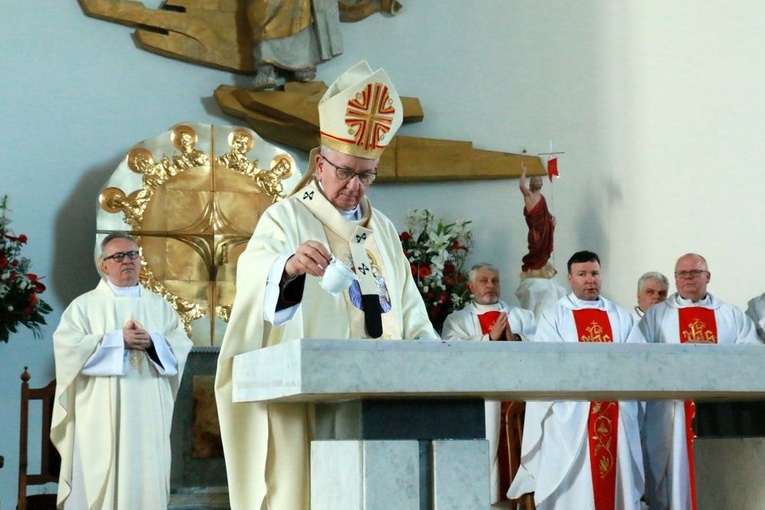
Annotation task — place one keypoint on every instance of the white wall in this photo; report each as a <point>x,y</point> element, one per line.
<point>655,103</point>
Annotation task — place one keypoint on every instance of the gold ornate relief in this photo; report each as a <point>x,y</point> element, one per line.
<point>185,138</point>
<point>193,212</point>
<point>240,142</point>
<point>271,181</point>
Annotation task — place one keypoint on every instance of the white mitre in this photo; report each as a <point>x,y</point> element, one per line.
<point>360,112</point>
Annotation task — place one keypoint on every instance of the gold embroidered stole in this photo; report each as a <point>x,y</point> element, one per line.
<point>697,324</point>
<point>354,245</point>
<point>136,357</point>
<point>593,325</point>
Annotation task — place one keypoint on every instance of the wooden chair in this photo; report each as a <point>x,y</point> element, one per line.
<point>50,461</point>
<point>512,420</point>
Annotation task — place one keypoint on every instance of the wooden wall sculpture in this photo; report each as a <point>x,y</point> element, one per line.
<point>216,34</point>
<point>210,33</point>
<point>291,117</point>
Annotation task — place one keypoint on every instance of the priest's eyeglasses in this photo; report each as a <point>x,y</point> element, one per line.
<point>120,255</point>
<point>693,273</point>
<point>346,174</point>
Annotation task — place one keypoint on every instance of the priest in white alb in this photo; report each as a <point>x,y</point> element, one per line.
<point>279,294</point>
<point>755,310</point>
<point>485,319</point>
<point>120,352</point>
<point>691,315</point>
<point>583,455</point>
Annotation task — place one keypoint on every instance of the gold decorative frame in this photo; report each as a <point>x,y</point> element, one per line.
<point>192,204</point>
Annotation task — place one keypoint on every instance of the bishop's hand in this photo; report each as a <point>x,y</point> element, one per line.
<point>311,257</point>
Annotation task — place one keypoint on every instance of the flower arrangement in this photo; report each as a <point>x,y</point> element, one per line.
<point>437,252</point>
<point>19,289</point>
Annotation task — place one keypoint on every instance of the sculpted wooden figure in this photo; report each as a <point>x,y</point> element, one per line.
<point>224,34</point>
<point>230,35</point>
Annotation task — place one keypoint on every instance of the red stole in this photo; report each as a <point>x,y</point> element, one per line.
<point>487,320</point>
<point>699,325</point>
<point>593,325</point>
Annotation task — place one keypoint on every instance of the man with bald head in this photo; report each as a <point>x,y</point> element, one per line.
<point>691,315</point>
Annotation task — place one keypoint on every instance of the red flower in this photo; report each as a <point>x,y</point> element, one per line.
<point>438,301</point>
<point>21,304</point>
<point>38,285</point>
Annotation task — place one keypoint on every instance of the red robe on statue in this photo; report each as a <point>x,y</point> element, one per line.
<point>541,229</point>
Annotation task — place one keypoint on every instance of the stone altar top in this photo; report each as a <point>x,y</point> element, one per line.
<point>314,370</point>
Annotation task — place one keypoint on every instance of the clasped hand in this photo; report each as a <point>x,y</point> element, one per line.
<point>501,329</point>
<point>136,337</point>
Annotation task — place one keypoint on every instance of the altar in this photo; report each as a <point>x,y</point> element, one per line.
<point>356,374</point>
